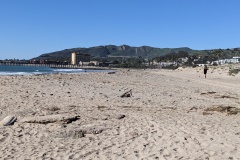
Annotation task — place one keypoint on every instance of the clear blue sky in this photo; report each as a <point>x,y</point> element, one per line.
<point>29,28</point>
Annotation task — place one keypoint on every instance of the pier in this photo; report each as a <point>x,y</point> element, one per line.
<point>62,66</point>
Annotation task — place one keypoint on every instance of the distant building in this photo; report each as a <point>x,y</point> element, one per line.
<point>225,61</point>
<point>94,63</point>
<point>78,58</point>
<point>238,58</point>
<point>34,61</point>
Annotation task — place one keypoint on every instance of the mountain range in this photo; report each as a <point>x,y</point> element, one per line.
<point>109,51</point>
<point>113,51</point>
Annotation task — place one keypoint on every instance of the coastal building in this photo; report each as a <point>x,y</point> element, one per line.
<point>80,59</point>
<point>94,63</point>
<point>237,59</point>
<point>225,61</point>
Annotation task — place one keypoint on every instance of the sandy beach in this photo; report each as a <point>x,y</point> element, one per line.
<point>170,114</point>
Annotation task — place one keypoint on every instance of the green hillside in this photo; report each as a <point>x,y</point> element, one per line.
<point>110,51</point>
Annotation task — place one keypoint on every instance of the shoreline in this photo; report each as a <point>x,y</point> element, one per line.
<point>38,70</point>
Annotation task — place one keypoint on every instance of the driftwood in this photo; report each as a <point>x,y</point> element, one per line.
<point>79,133</point>
<point>50,119</point>
<point>111,72</point>
<point>127,94</point>
<point>222,109</point>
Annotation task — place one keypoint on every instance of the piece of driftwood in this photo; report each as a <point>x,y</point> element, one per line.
<point>111,72</point>
<point>50,119</point>
<point>222,109</point>
<point>127,94</point>
<point>9,120</point>
<point>79,133</point>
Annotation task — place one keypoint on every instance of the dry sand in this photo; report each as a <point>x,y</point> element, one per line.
<point>171,115</point>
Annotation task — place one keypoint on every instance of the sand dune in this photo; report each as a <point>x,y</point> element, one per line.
<point>171,115</point>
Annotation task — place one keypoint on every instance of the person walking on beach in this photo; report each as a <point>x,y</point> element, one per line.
<point>205,70</point>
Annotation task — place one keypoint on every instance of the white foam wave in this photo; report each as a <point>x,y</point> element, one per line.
<point>20,73</point>
<point>15,73</point>
<point>37,72</point>
<point>67,70</point>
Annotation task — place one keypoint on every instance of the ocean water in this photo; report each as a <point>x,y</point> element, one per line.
<point>35,70</point>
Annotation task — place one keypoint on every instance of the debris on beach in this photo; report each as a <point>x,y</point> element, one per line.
<point>93,130</point>
<point>127,94</point>
<point>208,93</point>
<point>80,132</point>
<point>52,108</point>
<point>218,95</point>
<point>225,96</point>
<point>50,119</point>
<point>222,109</point>
<point>76,134</point>
<point>9,120</point>
<point>120,116</point>
<point>111,72</point>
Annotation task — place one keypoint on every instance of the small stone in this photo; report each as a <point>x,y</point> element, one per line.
<point>120,116</point>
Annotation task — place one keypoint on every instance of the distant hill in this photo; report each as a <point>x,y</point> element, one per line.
<point>110,51</point>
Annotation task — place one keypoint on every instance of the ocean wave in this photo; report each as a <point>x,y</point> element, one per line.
<point>29,70</point>
<point>39,72</point>
<point>21,73</point>
<point>15,73</point>
<point>67,70</point>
